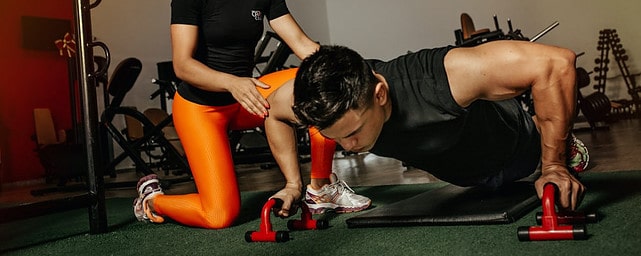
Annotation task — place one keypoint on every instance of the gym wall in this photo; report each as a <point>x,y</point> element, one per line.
<point>376,28</point>
<point>385,29</point>
<point>30,79</point>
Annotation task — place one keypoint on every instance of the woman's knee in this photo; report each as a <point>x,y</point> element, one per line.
<point>221,218</point>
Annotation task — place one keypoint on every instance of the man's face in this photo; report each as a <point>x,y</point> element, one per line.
<point>357,130</point>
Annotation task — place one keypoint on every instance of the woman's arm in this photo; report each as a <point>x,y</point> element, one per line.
<point>184,39</point>
<point>287,28</point>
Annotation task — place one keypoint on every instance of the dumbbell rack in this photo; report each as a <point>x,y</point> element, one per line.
<point>609,42</point>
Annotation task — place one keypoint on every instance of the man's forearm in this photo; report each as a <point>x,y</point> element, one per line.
<point>553,143</point>
<point>282,142</point>
<point>554,115</point>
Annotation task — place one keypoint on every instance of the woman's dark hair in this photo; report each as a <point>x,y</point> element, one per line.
<point>330,82</point>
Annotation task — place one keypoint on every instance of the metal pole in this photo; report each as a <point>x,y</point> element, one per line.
<point>545,31</point>
<point>86,82</point>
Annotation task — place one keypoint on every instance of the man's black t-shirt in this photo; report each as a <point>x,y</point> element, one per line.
<point>228,31</point>
<point>427,129</point>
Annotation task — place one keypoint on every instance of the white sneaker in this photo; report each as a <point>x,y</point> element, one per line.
<point>148,187</point>
<point>337,196</point>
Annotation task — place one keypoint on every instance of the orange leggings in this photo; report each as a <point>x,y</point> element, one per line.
<point>203,132</point>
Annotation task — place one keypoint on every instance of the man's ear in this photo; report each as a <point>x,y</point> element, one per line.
<point>380,93</point>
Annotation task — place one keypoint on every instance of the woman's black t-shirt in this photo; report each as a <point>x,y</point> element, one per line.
<point>228,31</point>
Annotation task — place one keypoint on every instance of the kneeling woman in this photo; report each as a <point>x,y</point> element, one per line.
<point>213,44</point>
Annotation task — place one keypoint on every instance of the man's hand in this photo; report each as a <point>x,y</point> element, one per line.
<point>571,191</point>
<point>289,194</point>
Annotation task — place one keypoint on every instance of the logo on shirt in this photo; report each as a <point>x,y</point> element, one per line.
<point>258,15</point>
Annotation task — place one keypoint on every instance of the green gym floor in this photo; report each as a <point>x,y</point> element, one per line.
<point>613,181</point>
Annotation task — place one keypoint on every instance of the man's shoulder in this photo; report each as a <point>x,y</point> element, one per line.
<point>412,57</point>
<point>281,101</point>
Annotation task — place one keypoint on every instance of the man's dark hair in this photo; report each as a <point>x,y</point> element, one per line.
<point>330,82</point>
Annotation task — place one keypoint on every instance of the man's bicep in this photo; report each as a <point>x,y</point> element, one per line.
<point>492,71</point>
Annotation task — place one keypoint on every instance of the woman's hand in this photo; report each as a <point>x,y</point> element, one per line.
<point>244,90</point>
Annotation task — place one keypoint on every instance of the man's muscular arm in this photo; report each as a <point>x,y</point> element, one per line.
<point>505,69</point>
<point>281,135</point>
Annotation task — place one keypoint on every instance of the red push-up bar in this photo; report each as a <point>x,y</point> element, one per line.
<point>266,233</point>
<point>562,226</point>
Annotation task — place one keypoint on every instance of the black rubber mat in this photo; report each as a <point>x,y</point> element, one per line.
<point>453,205</point>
